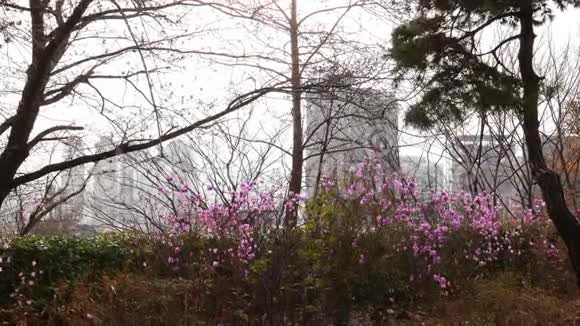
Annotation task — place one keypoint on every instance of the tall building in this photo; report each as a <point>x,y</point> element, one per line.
<point>113,189</point>
<point>106,171</point>
<point>428,175</point>
<point>74,180</point>
<point>116,177</point>
<point>480,164</point>
<point>347,129</point>
<point>70,186</point>
<point>128,190</point>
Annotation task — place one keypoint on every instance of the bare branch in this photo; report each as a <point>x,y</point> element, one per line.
<point>128,147</point>
<point>41,136</point>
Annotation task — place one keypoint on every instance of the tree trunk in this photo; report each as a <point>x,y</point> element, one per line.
<point>45,56</point>
<point>5,190</point>
<point>297,150</point>
<point>552,191</point>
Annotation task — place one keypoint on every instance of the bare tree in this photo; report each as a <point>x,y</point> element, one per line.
<point>559,95</point>
<point>490,153</point>
<point>441,44</point>
<point>293,43</point>
<point>348,121</point>
<point>210,165</point>
<point>50,204</point>
<point>76,49</point>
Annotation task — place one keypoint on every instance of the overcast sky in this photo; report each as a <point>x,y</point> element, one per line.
<point>196,85</point>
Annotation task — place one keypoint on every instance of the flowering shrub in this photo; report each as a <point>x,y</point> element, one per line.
<point>233,224</point>
<point>467,229</point>
<point>368,243</point>
<point>369,238</point>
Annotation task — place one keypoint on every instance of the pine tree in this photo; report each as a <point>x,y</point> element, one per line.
<point>440,46</point>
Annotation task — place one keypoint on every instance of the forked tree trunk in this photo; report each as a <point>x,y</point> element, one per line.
<point>45,55</point>
<point>549,181</point>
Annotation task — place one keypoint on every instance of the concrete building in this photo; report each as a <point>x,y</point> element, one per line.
<point>112,189</point>
<point>112,175</point>
<point>428,175</point>
<point>69,187</point>
<point>127,189</point>
<point>74,180</point>
<point>347,129</point>
<point>481,165</point>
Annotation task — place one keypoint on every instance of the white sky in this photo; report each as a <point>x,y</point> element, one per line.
<point>199,82</point>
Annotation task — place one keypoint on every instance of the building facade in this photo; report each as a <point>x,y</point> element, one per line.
<point>347,129</point>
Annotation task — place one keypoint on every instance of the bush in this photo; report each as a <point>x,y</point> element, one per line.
<point>327,272</point>
<point>32,265</point>
<point>367,248</point>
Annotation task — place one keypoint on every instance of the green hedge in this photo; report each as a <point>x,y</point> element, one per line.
<point>34,264</point>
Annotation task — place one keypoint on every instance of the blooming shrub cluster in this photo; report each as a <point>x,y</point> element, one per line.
<point>233,224</point>
<point>368,242</point>
<point>446,233</point>
<point>370,237</point>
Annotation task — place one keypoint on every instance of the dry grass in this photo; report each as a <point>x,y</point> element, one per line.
<point>126,299</point>
<point>507,301</point>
